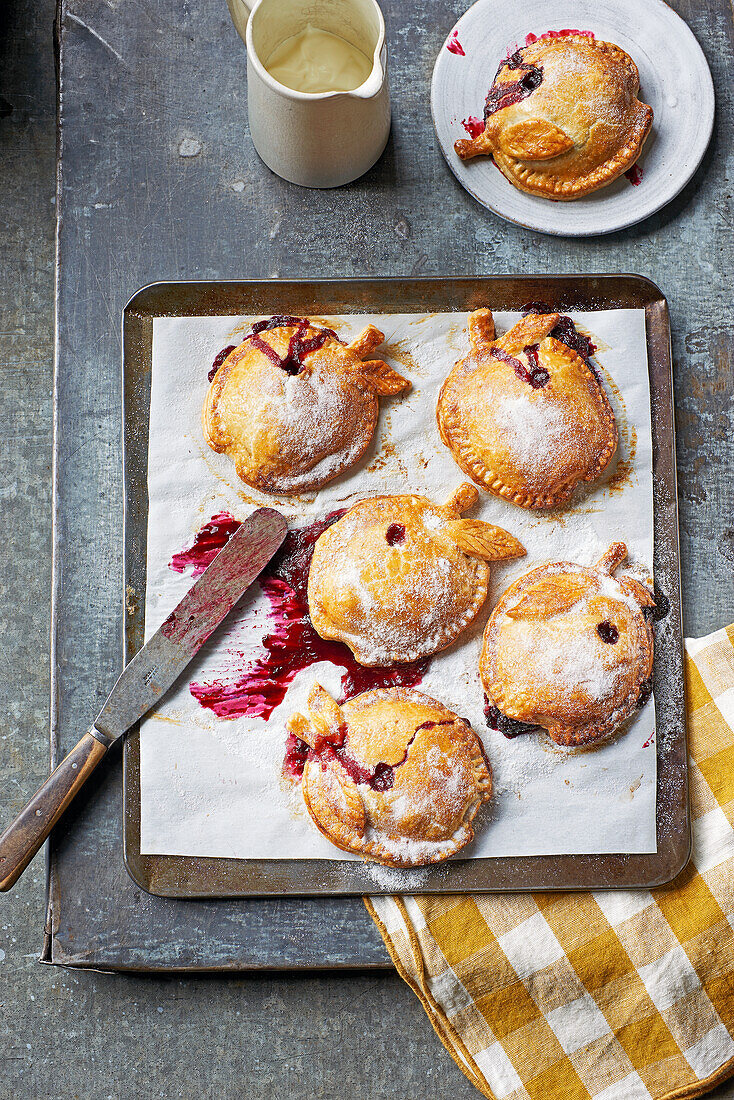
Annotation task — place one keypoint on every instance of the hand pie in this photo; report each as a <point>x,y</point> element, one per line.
<point>293,406</point>
<point>391,775</point>
<point>398,578</point>
<point>524,415</point>
<point>562,117</point>
<point>569,648</point>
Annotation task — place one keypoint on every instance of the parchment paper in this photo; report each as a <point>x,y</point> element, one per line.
<point>213,787</point>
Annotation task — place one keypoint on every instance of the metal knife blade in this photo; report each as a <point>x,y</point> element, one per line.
<point>164,657</point>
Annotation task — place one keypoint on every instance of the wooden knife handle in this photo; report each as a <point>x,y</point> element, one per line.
<point>22,839</point>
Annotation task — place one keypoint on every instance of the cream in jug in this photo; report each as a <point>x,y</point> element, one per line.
<point>315,61</point>
<point>321,138</point>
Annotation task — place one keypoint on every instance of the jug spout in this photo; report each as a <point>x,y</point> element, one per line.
<point>374,83</point>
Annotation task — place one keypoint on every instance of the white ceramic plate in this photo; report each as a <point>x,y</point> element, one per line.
<point>674,79</point>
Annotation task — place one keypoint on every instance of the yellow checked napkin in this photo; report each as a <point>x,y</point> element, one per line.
<point>624,995</point>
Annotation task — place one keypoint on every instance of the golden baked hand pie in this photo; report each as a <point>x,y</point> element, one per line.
<point>524,415</point>
<point>293,406</point>
<point>569,648</point>
<point>398,578</point>
<point>562,117</point>
<point>391,774</point>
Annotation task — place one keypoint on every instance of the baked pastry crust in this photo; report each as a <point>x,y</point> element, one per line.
<point>563,118</point>
<point>294,407</point>
<point>392,775</point>
<point>398,577</point>
<point>524,415</point>
<point>570,648</point>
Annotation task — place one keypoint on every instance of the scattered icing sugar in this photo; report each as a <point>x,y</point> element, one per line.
<point>537,430</point>
<point>576,660</point>
<point>318,415</point>
<point>612,589</point>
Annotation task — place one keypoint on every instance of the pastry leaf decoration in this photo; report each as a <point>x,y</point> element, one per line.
<point>301,728</point>
<point>382,379</point>
<point>484,540</point>
<point>534,139</point>
<point>530,330</point>
<point>549,597</point>
<point>638,591</point>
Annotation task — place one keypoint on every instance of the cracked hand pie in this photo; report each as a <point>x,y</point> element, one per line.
<point>569,648</point>
<point>392,775</point>
<point>524,415</point>
<point>562,117</point>
<point>293,406</point>
<point>398,578</point>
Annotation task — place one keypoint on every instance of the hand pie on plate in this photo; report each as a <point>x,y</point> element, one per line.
<point>569,648</point>
<point>524,415</point>
<point>391,775</point>
<point>398,578</point>
<point>293,406</point>
<point>562,117</point>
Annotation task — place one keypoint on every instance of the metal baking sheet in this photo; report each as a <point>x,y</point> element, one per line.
<point>187,877</point>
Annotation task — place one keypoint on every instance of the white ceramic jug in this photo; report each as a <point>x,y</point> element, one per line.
<point>315,139</point>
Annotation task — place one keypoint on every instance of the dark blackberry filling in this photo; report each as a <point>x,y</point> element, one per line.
<point>298,347</point>
<point>395,534</point>
<point>661,608</point>
<point>379,778</point>
<point>608,632</point>
<point>565,331</point>
<point>537,376</point>
<point>512,91</point>
<point>218,360</point>
<point>291,643</point>
<point>645,692</point>
<point>508,727</point>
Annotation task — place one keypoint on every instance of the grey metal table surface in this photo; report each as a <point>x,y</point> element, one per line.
<point>304,1036</point>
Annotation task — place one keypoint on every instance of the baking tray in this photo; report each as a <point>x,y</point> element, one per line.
<point>196,877</point>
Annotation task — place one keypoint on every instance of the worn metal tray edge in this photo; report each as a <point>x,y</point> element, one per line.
<point>187,877</point>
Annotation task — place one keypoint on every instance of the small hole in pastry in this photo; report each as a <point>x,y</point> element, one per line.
<point>395,534</point>
<point>608,632</point>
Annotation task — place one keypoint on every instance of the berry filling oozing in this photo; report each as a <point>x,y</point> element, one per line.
<point>536,376</point>
<point>509,727</point>
<point>218,360</point>
<point>298,346</point>
<point>256,686</point>
<point>512,91</point>
<point>379,778</point>
<point>565,332</point>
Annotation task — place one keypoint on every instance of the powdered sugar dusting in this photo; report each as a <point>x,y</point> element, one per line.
<point>536,430</point>
<point>580,666</point>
